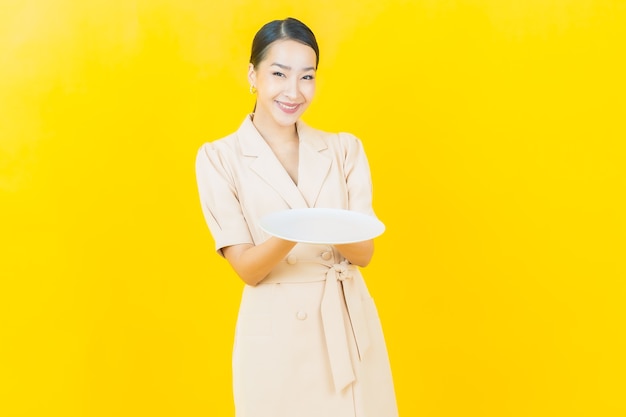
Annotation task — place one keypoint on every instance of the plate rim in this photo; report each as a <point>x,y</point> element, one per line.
<point>380,225</point>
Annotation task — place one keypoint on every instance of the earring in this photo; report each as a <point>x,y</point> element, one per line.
<point>252,89</point>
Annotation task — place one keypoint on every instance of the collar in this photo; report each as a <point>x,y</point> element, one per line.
<point>313,164</point>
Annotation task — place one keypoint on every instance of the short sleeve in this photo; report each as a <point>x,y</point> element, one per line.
<point>218,197</point>
<point>358,176</point>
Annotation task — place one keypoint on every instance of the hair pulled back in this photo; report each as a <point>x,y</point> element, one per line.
<point>286,29</point>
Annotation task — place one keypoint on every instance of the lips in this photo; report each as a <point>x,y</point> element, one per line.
<point>288,107</point>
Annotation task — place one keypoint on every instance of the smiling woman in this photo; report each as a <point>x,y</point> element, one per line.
<point>285,83</point>
<point>308,342</point>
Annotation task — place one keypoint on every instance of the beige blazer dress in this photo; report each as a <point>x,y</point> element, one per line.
<point>308,340</point>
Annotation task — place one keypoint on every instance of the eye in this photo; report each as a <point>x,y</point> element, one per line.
<point>308,77</point>
<point>278,74</point>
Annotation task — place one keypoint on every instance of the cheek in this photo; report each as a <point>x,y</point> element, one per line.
<point>270,86</point>
<point>309,90</point>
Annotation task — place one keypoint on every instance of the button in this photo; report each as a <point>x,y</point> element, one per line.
<point>291,259</point>
<point>327,256</point>
<point>301,315</point>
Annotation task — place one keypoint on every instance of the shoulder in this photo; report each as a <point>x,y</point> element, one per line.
<point>217,155</point>
<point>212,155</point>
<point>228,144</point>
<point>220,144</point>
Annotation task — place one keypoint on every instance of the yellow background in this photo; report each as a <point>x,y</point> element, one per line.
<point>495,131</point>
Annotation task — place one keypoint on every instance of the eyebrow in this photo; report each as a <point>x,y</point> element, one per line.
<point>286,67</point>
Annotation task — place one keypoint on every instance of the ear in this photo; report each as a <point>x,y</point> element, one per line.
<point>251,75</point>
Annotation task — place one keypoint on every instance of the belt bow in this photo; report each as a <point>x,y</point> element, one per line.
<point>338,283</point>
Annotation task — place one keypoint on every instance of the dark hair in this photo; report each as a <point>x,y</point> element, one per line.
<point>289,29</point>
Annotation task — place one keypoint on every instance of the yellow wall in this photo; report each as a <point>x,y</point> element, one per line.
<point>495,130</point>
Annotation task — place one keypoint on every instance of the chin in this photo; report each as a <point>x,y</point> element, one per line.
<point>287,119</point>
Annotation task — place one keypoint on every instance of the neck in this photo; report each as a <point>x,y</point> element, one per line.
<point>273,133</point>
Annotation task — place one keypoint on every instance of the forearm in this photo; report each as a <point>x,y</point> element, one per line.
<point>359,253</point>
<point>253,263</point>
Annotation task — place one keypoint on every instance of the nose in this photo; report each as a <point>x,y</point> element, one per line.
<point>291,89</point>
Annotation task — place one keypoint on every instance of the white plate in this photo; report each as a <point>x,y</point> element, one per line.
<point>322,225</point>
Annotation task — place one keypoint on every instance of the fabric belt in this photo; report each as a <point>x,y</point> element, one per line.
<point>339,283</point>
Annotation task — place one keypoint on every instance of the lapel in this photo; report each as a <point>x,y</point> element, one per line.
<point>313,164</point>
<point>312,170</point>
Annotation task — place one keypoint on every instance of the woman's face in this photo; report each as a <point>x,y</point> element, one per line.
<point>285,82</point>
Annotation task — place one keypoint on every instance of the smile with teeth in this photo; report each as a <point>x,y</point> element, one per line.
<point>287,107</point>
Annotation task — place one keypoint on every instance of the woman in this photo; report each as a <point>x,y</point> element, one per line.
<point>308,339</point>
